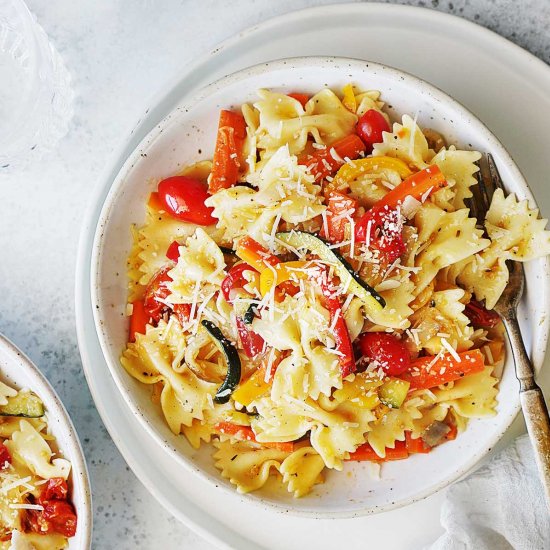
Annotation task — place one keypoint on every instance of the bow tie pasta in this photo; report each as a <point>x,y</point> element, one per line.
<point>308,297</point>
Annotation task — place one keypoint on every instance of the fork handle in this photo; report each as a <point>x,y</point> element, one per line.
<point>532,403</point>
<point>538,426</point>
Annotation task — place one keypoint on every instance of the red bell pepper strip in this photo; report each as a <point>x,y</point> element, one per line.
<point>254,254</point>
<point>366,452</point>
<point>428,372</point>
<point>138,320</point>
<point>245,433</point>
<point>301,98</point>
<point>182,313</point>
<point>341,334</point>
<point>340,208</point>
<point>325,162</point>
<point>426,181</point>
<point>383,228</point>
<point>227,154</point>
<point>416,445</point>
<point>234,279</point>
<point>251,341</point>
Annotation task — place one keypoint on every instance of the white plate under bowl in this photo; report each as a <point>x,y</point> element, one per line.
<point>17,370</point>
<point>188,135</point>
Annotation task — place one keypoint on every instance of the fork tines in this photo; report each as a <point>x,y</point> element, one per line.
<point>488,179</point>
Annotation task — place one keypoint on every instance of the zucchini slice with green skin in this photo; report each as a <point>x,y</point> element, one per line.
<point>393,392</point>
<point>232,358</point>
<point>246,312</point>
<point>250,314</point>
<point>349,278</point>
<point>24,404</point>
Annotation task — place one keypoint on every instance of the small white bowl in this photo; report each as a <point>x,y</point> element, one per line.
<point>18,371</point>
<point>188,135</point>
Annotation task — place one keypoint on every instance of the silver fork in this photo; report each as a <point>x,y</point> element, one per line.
<point>531,397</point>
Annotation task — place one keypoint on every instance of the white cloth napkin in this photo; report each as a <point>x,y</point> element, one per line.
<point>501,506</point>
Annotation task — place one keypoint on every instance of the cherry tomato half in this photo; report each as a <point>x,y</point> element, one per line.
<point>56,488</point>
<point>386,350</point>
<point>479,316</point>
<point>156,293</point>
<point>370,127</point>
<point>183,198</point>
<point>386,231</point>
<point>60,517</point>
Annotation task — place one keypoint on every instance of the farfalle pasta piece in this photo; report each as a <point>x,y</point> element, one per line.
<point>392,424</point>
<point>312,368</point>
<point>316,373</point>
<point>484,275</point>
<point>441,322</point>
<point>285,192</point>
<point>280,329</point>
<point>436,412</point>
<point>473,396</point>
<point>150,242</point>
<point>29,447</point>
<point>245,465</point>
<point>354,317</point>
<point>184,396</point>
<point>301,470</point>
<point>239,214</point>
<point>516,233</point>
<point>334,432</point>
<point>406,142</point>
<point>199,270</point>
<point>203,357</point>
<point>369,100</point>
<point>459,168</point>
<point>516,229</point>
<point>444,238</point>
<point>283,121</point>
<point>5,392</point>
<point>397,311</point>
<point>284,183</point>
<point>198,432</point>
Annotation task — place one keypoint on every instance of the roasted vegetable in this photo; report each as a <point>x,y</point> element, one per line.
<point>393,392</point>
<point>348,277</point>
<point>232,358</point>
<point>24,404</point>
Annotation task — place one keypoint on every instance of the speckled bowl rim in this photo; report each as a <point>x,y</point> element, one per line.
<point>117,371</point>
<point>55,408</point>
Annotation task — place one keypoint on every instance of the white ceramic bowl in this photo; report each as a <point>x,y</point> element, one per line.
<point>188,135</point>
<point>17,370</point>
